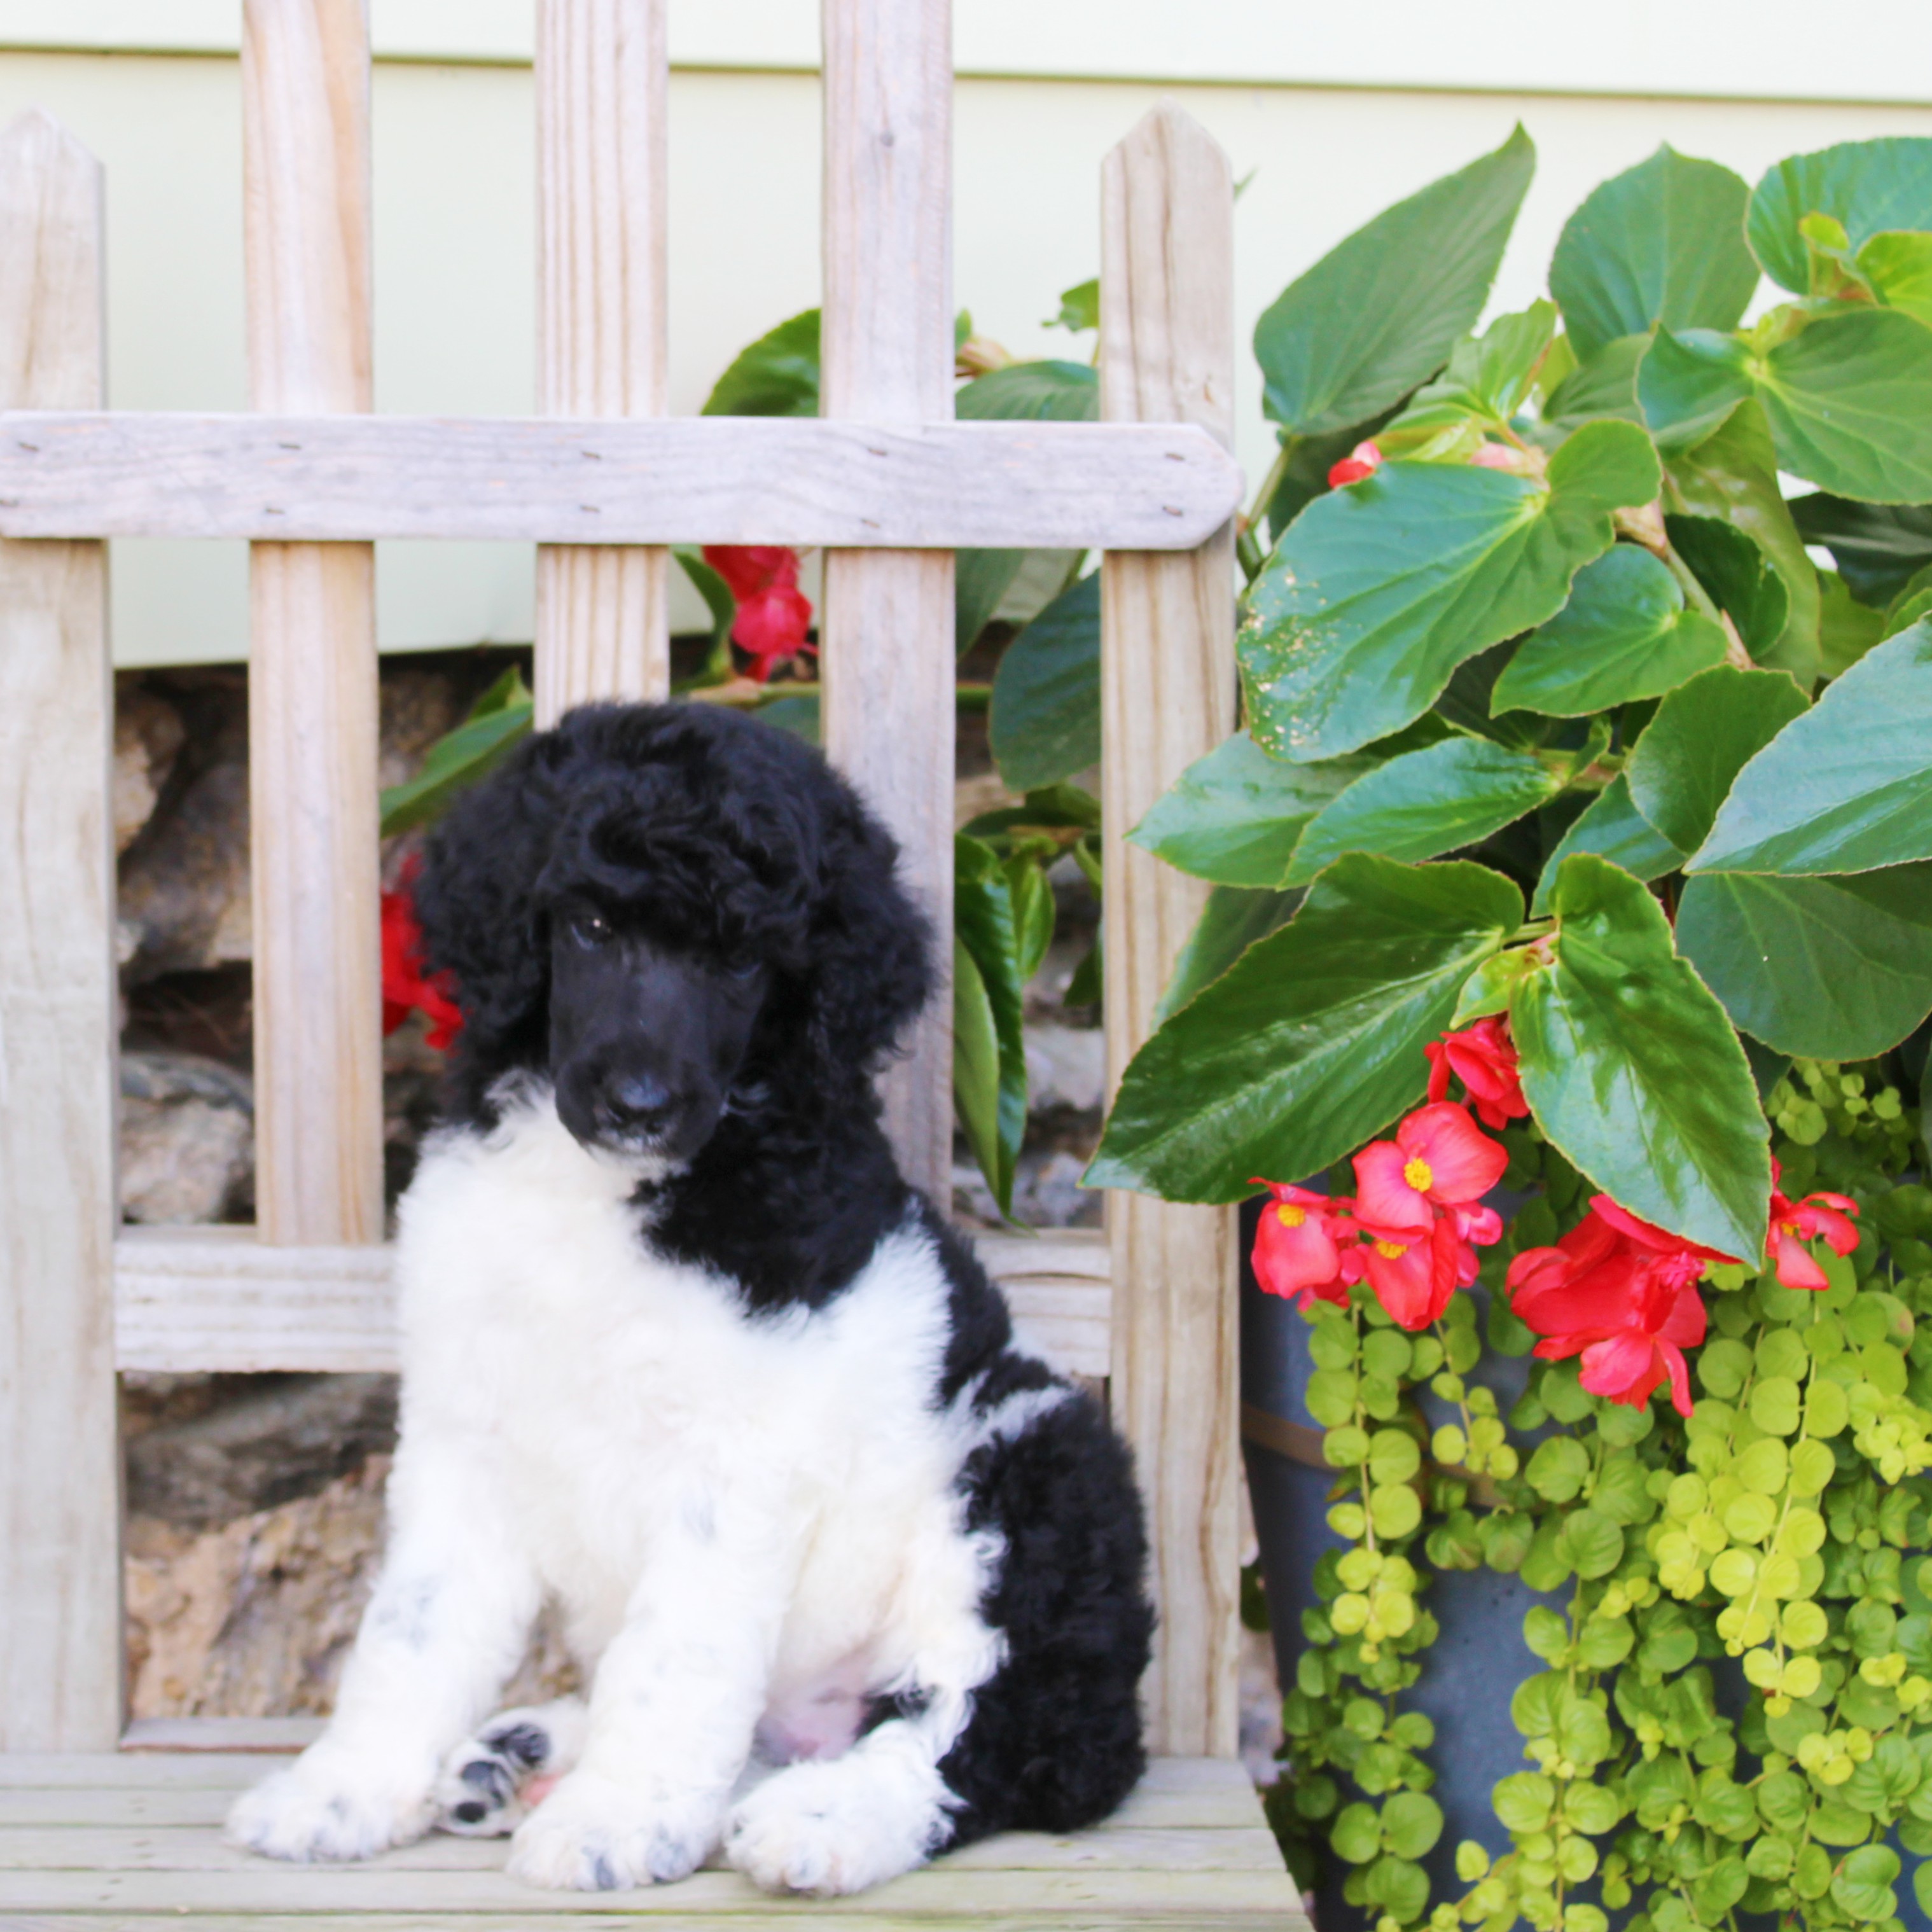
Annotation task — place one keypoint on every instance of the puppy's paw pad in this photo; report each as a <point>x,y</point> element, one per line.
<point>329,1810</point>
<point>488,1783</point>
<point>594,1835</point>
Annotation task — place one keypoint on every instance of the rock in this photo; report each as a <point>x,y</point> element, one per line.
<point>1066,1067</point>
<point>1047,1192</point>
<point>278,1439</point>
<point>985,791</point>
<point>187,1138</point>
<point>147,736</point>
<point>417,707</point>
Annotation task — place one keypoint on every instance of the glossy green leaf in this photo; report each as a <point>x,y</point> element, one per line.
<point>1866,186</point>
<point>1625,634</point>
<point>1847,787</point>
<point>1034,913</point>
<point>1733,474</point>
<point>1487,381</point>
<point>1833,968</point>
<point>1741,579</point>
<point>1312,1042</point>
<point>1425,803</point>
<point>718,602</point>
<point>1703,735</point>
<point>1878,547</point>
<point>1380,312</point>
<point>1044,391</point>
<point>1689,382</point>
<point>983,921</point>
<point>1846,629</point>
<point>1662,242</point>
<point>981,579</point>
<point>1233,919</point>
<point>776,376</point>
<point>1235,816</point>
<point>1898,265</point>
<point>1377,593</point>
<point>1044,719</point>
<point>1612,827</point>
<point>1604,386</point>
<point>976,1063</point>
<point>498,722</point>
<point>1633,1071</point>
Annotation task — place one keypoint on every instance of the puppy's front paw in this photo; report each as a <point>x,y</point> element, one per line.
<point>328,1805</point>
<point>827,1828</point>
<point>489,1782</point>
<point>592,1833</point>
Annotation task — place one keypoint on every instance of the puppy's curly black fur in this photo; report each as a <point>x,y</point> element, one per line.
<point>730,837</point>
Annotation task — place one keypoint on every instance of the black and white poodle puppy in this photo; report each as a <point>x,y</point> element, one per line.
<point>853,1577</point>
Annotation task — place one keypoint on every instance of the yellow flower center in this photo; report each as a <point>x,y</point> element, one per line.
<point>1291,1216</point>
<point>1419,1174</point>
<point>1391,1251</point>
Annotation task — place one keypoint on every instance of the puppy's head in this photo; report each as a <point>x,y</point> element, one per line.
<point>673,912</point>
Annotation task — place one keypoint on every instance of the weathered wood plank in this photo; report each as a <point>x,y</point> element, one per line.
<point>849,1915</point>
<point>312,700</point>
<point>216,1299</point>
<point>60,1558</point>
<point>1167,627</point>
<point>862,484</point>
<point>885,632</point>
<point>149,1847</point>
<point>603,615</point>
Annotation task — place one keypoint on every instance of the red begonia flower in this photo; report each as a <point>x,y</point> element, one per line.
<point>1795,1222</point>
<point>773,614</point>
<point>1483,1057</point>
<point>1364,460</point>
<point>1439,1158</point>
<point>1414,1278</point>
<point>406,988</point>
<point>1298,1253</point>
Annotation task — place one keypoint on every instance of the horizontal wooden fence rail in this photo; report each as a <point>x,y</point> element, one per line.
<point>216,1299</point>
<point>692,479</point>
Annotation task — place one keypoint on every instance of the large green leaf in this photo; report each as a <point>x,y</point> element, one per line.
<point>1312,1040</point>
<point>1045,718</point>
<point>980,579</point>
<point>1625,634</point>
<point>1487,381</point>
<point>1233,919</point>
<point>1612,827</point>
<point>1899,267</point>
<point>975,1064</point>
<point>1634,1072</point>
<point>1837,969</point>
<point>1878,547</point>
<point>1742,581</point>
<point>1733,474</point>
<point>1846,629</point>
<point>1663,242</point>
<point>1703,735</point>
<point>983,921</point>
<point>1377,593</point>
<point>1605,385</point>
<point>1380,312</point>
<point>1425,803</point>
<point>1234,816</point>
<point>498,721</point>
<point>1847,787</point>
<point>1688,383</point>
<point>776,376</point>
<point>1866,186</point>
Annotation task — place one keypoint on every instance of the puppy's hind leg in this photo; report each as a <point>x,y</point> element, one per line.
<point>491,1782</point>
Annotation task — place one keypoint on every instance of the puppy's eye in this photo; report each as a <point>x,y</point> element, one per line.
<point>589,928</point>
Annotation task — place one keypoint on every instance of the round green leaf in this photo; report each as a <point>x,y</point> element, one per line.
<point>1863,1885</point>
<point>1865,186</point>
<point>1592,1543</point>
<point>1411,1823</point>
<point>1395,1510</point>
<point>1813,1466</point>
<point>1357,1834</point>
<point>1558,1469</point>
<point>1774,1405</point>
<point>1312,1042</point>
<point>1833,968</point>
<point>1847,787</point>
<point>1376,593</point>
<point>1524,1802</point>
<point>1393,1456</point>
<point>1663,242</point>
<point>1591,1807</point>
<point>1633,1071</point>
<point>1722,1366</point>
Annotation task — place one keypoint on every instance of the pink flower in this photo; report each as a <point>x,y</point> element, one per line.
<point>773,614</point>
<point>1795,1222</point>
<point>1413,1278</point>
<point>1483,1057</point>
<point>1494,456</point>
<point>1298,1254</point>
<point>1364,460</point>
<point>1439,1158</point>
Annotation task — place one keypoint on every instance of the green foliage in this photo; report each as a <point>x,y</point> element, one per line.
<point>992,939</point>
<point>497,721</point>
<point>777,376</point>
<point>1046,719</point>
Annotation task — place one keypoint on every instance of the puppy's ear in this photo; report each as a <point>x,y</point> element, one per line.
<point>476,898</point>
<point>872,948</point>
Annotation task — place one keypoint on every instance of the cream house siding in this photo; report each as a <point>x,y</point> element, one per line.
<point>454,220</point>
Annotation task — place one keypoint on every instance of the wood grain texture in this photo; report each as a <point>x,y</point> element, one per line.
<point>690,479</point>
<point>60,1518</point>
<point>603,620</point>
<point>215,1299</point>
<point>885,634</point>
<point>1167,681</point>
<point>312,693</point>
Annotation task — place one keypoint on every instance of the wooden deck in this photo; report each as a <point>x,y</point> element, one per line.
<point>132,1843</point>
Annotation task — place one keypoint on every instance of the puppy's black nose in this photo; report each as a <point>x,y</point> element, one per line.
<point>640,1102</point>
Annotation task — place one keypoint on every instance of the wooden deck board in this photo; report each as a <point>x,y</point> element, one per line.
<point>133,1841</point>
